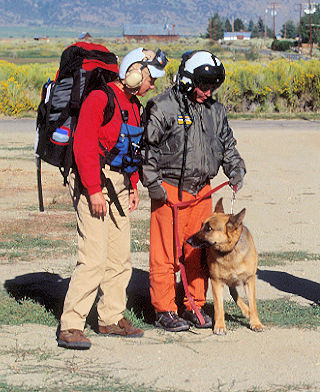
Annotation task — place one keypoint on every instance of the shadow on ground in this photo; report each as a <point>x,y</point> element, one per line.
<point>291,284</point>
<point>50,289</point>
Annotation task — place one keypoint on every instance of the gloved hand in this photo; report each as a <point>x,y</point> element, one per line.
<point>157,191</point>
<point>236,179</point>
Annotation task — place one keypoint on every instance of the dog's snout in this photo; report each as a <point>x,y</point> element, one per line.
<point>198,241</point>
<point>193,241</point>
<point>190,240</point>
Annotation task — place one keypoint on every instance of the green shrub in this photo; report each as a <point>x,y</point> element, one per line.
<point>282,45</point>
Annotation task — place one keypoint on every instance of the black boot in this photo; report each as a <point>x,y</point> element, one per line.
<point>170,321</point>
<point>192,318</point>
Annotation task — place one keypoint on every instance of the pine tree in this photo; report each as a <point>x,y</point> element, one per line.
<point>260,25</point>
<point>238,25</point>
<point>250,25</point>
<point>227,26</point>
<point>216,27</point>
<point>290,29</point>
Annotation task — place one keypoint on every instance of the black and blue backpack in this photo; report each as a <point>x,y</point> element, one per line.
<point>84,67</point>
<point>126,155</point>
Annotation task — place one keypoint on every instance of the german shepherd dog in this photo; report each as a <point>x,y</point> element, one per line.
<point>232,260</point>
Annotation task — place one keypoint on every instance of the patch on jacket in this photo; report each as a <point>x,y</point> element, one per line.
<point>187,119</point>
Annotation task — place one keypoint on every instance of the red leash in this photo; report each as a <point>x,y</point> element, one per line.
<point>175,208</point>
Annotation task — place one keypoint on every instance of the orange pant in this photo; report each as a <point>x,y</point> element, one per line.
<point>163,262</point>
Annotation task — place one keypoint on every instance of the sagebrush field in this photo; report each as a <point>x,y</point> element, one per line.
<point>268,85</point>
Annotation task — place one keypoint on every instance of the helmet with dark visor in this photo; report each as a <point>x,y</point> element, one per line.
<point>208,77</point>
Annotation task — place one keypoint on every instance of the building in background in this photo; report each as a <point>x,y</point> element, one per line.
<point>41,38</point>
<point>236,35</point>
<point>150,32</point>
<point>85,35</point>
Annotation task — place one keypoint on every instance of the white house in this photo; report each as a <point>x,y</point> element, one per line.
<point>237,35</point>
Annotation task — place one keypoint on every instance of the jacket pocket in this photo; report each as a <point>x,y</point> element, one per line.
<point>171,146</point>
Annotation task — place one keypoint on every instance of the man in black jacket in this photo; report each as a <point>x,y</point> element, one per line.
<point>187,140</point>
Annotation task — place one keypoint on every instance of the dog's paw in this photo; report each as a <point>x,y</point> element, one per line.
<point>258,327</point>
<point>220,331</point>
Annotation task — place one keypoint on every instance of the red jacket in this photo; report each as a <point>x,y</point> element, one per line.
<point>89,133</point>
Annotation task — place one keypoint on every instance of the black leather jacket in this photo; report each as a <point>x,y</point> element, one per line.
<point>210,142</point>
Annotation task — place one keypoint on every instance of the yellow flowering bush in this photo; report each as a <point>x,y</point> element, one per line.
<point>172,69</point>
<point>277,86</point>
<point>255,86</point>
<point>20,86</point>
<point>13,98</point>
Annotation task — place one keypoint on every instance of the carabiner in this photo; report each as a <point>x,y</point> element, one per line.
<point>233,200</point>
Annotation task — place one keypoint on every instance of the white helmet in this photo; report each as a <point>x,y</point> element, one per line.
<point>200,67</point>
<point>154,62</point>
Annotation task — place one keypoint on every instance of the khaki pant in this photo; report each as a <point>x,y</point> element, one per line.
<point>163,263</point>
<point>103,257</point>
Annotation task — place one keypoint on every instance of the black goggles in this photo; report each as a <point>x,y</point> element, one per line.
<point>159,60</point>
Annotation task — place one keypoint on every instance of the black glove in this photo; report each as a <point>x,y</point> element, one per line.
<point>236,179</point>
<point>157,191</point>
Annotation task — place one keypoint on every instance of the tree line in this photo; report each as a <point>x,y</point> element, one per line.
<point>289,30</point>
<point>218,26</point>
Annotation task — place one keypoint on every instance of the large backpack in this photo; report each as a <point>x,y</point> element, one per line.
<point>83,67</point>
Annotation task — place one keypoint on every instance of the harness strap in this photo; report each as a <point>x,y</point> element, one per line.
<point>179,252</point>
<point>185,145</point>
<point>112,194</point>
<point>40,195</point>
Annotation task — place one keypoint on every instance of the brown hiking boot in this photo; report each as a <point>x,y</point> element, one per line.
<point>123,328</point>
<point>73,339</point>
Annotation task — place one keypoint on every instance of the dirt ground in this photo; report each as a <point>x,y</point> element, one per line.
<point>281,195</point>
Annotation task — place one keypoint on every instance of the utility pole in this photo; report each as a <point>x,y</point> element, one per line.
<point>274,13</point>
<point>232,23</point>
<point>273,7</point>
<point>310,24</point>
<point>309,11</point>
<point>210,28</point>
<point>300,13</point>
<point>265,24</point>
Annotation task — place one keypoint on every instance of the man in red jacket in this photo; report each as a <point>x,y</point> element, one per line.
<point>104,191</point>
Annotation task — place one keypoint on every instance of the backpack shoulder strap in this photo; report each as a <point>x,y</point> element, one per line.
<point>135,100</point>
<point>142,112</point>
<point>108,111</point>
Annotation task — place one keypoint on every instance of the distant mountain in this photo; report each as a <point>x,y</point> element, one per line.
<point>189,16</point>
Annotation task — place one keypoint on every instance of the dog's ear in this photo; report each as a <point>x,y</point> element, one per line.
<point>236,220</point>
<point>219,206</point>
